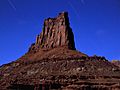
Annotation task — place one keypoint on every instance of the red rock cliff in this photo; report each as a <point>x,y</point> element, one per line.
<point>56,32</point>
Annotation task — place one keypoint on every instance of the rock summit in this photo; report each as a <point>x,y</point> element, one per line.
<point>56,33</point>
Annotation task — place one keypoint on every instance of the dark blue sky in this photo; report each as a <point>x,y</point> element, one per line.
<point>95,23</point>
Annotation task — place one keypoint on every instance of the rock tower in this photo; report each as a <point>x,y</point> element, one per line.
<point>56,33</point>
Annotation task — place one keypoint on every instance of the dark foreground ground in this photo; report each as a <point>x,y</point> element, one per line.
<point>59,69</point>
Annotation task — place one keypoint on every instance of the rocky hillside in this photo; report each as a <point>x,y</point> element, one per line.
<point>53,63</point>
<point>116,62</point>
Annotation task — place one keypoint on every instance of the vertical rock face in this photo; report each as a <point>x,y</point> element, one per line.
<point>56,32</point>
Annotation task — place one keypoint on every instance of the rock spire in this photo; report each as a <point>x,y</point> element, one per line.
<point>56,33</point>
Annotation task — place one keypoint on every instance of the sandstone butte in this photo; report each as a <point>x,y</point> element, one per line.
<point>53,63</point>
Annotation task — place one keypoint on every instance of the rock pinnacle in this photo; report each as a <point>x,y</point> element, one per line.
<point>56,33</point>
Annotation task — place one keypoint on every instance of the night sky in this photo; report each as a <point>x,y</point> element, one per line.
<point>95,24</point>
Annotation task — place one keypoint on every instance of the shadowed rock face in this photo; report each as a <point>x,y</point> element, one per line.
<point>56,32</point>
